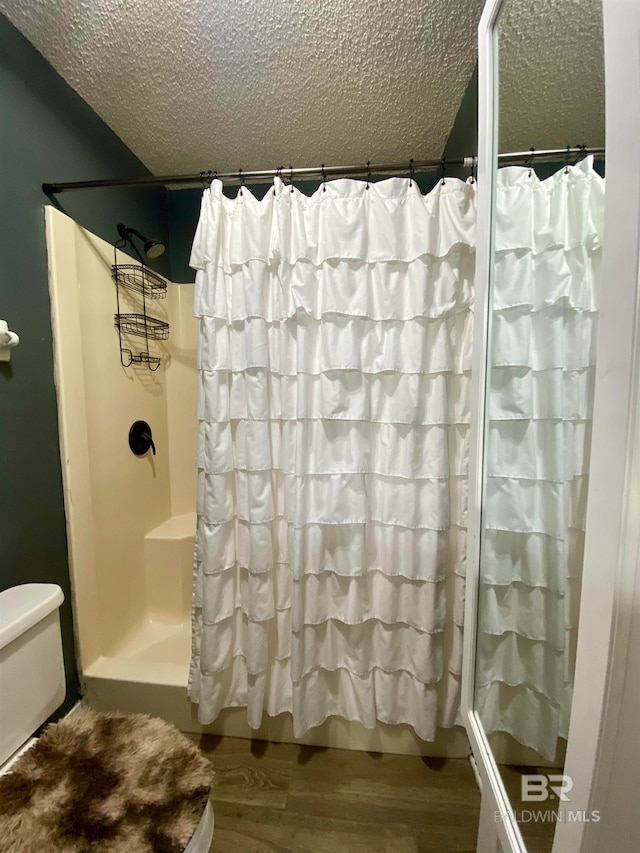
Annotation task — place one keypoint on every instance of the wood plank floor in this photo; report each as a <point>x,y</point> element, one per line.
<point>276,798</point>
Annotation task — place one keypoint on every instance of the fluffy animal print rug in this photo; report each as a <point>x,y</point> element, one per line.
<point>105,783</point>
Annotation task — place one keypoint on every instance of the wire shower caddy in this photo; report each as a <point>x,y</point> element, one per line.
<point>140,280</point>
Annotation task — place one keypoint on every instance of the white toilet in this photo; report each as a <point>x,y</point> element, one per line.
<point>32,682</point>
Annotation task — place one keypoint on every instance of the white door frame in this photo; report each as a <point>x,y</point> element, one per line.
<point>495,802</point>
<point>612,542</point>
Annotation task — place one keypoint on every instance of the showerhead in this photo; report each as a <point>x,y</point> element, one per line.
<point>152,248</point>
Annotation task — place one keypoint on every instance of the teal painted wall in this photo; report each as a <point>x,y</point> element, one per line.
<point>184,211</point>
<point>463,138</point>
<point>47,133</point>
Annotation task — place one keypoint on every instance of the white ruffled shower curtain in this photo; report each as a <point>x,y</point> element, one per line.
<point>548,242</point>
<point>334,356</point>
<point>334,363</point>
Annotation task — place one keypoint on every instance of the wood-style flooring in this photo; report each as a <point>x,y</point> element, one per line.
<point>276,798</point>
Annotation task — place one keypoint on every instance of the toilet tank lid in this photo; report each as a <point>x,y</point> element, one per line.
<point>21,607</point>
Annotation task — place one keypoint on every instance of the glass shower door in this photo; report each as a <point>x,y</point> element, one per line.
<point>540,244</point>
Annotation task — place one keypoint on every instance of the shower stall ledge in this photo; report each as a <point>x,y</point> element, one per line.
<point>158,649</point>
<point>168,561</point>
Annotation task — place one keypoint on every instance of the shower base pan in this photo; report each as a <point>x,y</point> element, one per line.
<point>149,675</point>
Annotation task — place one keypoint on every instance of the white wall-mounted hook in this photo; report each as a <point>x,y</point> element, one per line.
<point>8,340</point>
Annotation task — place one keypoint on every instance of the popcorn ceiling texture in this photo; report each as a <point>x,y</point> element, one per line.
<point>259,83</point>
<point>551,90</point>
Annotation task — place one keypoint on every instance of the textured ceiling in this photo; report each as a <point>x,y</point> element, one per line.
<point>258,83</point>
<point>551,90</point>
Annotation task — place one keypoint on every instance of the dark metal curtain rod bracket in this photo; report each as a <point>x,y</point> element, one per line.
<point>320,173</point>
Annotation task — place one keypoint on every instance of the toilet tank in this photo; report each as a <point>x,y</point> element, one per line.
<point>32,683</point>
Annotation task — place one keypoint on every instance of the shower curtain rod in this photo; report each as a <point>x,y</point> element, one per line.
<point>322,172</point>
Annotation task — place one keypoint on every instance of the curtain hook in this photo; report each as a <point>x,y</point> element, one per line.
<point>582,153</point>
<point>566,160</point>
<point>241,179</point>
<point>529,160</point>
<point>443,164</point>
<point>368,174</point>
<point>278,175</point>
<point>411,172</point>
<point>291,178</point>
<point>324,180</point>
